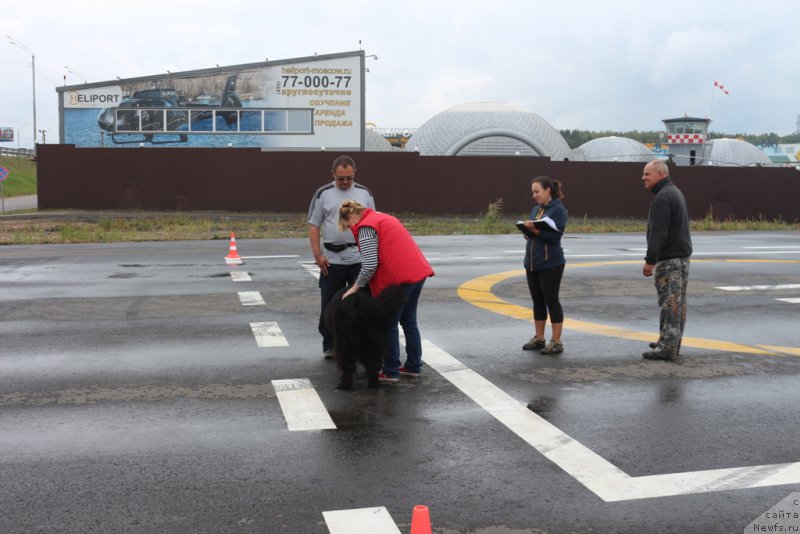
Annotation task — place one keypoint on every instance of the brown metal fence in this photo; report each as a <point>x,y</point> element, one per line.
<point>248,179</point>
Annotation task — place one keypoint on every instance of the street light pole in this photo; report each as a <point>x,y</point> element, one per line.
<point>78,74</point>
<point>33,74</point>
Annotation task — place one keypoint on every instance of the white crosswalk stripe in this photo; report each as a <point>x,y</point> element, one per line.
<point>360,521</point>
<point>240,276</point>
<point>311,267</point>
<point>268,334</point>
<point>301,405</point>
<point>251,298</point>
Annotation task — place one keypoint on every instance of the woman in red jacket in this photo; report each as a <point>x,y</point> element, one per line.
<point>389,256</point>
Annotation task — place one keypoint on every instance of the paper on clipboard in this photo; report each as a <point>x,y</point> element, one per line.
<point>541,224</point>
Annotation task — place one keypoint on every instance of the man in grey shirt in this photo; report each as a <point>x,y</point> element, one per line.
<point>337,257</point>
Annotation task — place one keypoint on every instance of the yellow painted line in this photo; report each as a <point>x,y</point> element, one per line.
<point>478,292</point>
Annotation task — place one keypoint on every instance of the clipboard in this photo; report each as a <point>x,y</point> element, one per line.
<point>545,223</point>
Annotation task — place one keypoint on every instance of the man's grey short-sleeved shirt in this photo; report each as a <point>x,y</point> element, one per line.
<point>324,214</point>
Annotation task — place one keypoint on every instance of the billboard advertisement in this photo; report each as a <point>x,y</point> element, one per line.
<point>397,137</point>
<point>307,103</point>
<point>6,134</point>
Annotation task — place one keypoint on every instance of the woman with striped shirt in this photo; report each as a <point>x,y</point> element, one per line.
<point>389,256</point>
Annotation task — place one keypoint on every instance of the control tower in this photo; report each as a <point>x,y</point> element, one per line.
<point>686,137</point>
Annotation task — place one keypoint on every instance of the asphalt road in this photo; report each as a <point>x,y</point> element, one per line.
<point>24,202</point>
<point>134,396</point>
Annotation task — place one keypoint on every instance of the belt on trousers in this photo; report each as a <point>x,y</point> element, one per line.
<point>338,247</point>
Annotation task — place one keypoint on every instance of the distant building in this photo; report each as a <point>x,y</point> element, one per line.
<point>489,128</point>
<point>375,142</point>
<point>782,154</point>
<point>733,153</point>
<point>686,137</point>
<point>616,149</point>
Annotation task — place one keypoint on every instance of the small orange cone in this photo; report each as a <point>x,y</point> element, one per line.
<point>233,257</point>
<point>421,520</point>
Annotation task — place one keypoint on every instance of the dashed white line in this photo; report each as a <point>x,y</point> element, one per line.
<point>360,521</point>
<point>758,288</point>
<point>251,298</point>
<point>790,300</point>
<point>301,405</point>
<point>268,334</point>
<point>240,276</point>
<point>270,257</point>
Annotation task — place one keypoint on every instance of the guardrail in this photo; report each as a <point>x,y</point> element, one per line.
<point>17,152</point>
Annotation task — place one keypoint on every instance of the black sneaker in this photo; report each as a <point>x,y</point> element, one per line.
<point>328,354</point>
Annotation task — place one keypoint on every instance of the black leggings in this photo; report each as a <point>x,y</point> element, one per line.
<point>544,287</point>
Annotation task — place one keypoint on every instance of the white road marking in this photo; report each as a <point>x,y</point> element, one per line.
<point>268,334</point>
<point>302,407</point>
<point>639,255</point>
<point>755,288</point>
<point>590,469</point>
<point>251,298</point>
<point>240,276</point>
<point>790,300</point>
<point>270,257</point>
<point>360,521</point>
<point>311,267</point>
<point>777,246</point>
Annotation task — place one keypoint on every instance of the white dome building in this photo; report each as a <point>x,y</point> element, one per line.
<point>375,142</point>
<point>616,149</point>
<point>488,128</point>
<point>733,153</point>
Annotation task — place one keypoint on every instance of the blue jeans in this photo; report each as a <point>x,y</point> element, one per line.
<point>407,317</point>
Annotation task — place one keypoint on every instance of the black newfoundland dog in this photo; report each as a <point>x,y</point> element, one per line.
<point>359,324</point>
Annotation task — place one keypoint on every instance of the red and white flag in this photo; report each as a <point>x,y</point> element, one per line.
<point>722,87</point>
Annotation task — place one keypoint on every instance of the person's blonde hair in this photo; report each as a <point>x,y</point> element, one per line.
<point>349,207</point>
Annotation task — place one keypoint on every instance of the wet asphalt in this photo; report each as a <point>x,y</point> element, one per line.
<point>133,397</point>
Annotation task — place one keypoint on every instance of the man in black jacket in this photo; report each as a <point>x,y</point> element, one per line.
<point>669,247</point>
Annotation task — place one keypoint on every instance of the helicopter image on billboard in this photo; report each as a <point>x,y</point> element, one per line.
<point>166,113</point>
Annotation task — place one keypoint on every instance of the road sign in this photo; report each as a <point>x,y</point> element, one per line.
<point>3,173</point>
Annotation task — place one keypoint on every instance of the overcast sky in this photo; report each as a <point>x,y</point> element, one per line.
<point>619,65</point>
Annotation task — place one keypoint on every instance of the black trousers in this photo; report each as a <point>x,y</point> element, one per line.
<point>544,287</point>
<point>339,276</point>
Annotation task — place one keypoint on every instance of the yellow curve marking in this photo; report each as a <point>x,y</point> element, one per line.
<point>478,292</point>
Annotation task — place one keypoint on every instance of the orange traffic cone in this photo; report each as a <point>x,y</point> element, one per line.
<point>233,257</point>
<point>421,520</point>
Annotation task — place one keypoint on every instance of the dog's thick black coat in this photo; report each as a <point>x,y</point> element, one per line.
<point>359,324</point>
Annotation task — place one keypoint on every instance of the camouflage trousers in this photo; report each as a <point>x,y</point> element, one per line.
<point>671,278</point>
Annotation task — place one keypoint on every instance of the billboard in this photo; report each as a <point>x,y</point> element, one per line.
<point>397,137</point>
<point>6,134</point>
<point>310,103</point>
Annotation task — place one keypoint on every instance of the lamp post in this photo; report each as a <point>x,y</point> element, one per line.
<point>76,74</point>
<point>33,74</point>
